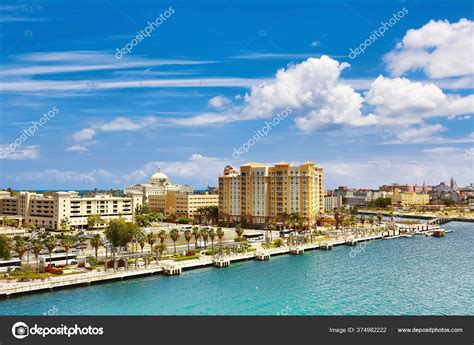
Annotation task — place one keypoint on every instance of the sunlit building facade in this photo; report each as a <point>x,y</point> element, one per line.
<point>259,194</point>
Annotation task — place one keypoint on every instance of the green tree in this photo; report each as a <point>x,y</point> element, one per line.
<point>239,231</point>
<point>160,248</point>
<point>120,233</point>
<point>93,220</point>
<point>205,236</point>
<point>212,236</point>
<point>65,223</point>
<point>96,243</point>
<point>50,243</point>
<point>379,218</point>
<point>141,237</point>
<point>5,247</point>
<point>151,239</point>
<point>67,242</point>
<point>36,247</point>
<point>162,236</point>
<point>220,235</point>
<point>196,235</point>
<point>174,235</point>
<point>188,236</point>
<point>19,247</point>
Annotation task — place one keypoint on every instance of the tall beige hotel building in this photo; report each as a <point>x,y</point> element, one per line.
<point>260,194</point>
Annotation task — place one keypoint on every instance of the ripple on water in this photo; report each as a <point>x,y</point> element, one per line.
<point>417,276</point>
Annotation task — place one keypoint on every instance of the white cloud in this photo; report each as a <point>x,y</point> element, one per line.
<point>84,134</point>
<point>320,99</point>
<point>198,167</point>
<point>111,84</point>
<point>438,48</point>
<point>76,148</point>
<point>411,169</point>
<point>66,179</point>
<point>218,102</point>
<point>116,125</point>
<point>401,101</point>
<point>81,61</point>
<point>315,44</point>
<point>419,134</point>
<point>20,153</point>
<point>442,150</point>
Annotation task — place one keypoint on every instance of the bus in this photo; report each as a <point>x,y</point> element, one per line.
<point>59,259</point>
<point>9,264</point>
<point>253,236</point>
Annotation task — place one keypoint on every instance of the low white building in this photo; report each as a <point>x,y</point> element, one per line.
<point>61,209</point>
<point>332,203</point>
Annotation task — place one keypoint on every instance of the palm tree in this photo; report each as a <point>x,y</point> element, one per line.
<point>28,250</point>
<point>205,236</point>
<point>379,218</point>
<point>160,248</point>
<point>174,235</point>
<point>141,238</point>
<point>20,247</point>
<point>197,235</point>
<point>162,236</point>
<point>106,252</point>
<point>362,221</point>
<point>67,242</point>
<point>220,235</point>
<point>151,239</point>
<point>36,247</point>
<point>212,235</point>
<point>371,221</point>
<point>50,244</point>
<point>238,230</point>
<point>188,235</point>
<point>96,242</point>
<point>271,227</point>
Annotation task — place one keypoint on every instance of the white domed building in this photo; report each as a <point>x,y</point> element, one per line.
<point>159,179</point>
<point>158,184</point>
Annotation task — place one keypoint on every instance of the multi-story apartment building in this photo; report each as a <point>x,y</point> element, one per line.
<point>61,209</point>
<point>261,194</point>
<point>182,205</point>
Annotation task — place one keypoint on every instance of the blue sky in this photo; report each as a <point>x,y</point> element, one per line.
<point>205,80</point>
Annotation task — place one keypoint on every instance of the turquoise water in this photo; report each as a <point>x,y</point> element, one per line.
<point>417,276</point>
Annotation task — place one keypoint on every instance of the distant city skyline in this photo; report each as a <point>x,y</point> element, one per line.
<point>374,94</point>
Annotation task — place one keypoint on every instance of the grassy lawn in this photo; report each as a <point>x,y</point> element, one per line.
<point>32,275</point>
<point>183,257</point>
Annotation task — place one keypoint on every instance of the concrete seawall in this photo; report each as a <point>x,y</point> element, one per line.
<point>87,278</point>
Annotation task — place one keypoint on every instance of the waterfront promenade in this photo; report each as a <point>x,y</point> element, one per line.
<point>15,288</point>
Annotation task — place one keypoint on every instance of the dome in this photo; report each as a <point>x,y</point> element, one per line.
<point>159,178</point>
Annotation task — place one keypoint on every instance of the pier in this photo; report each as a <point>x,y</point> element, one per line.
<point>172,268</point>
<point>262,256</point>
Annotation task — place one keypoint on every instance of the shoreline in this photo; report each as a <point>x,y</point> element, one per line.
<point>418,216</point>
<point>87,278</point>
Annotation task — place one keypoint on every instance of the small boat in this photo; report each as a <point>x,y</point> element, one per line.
<point>391,237</point>
<point>439,233</point>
